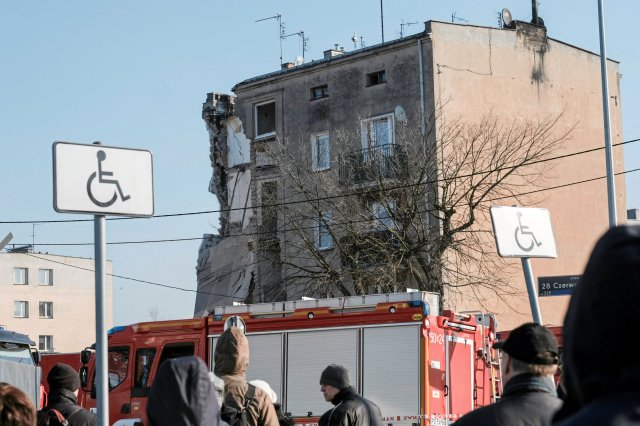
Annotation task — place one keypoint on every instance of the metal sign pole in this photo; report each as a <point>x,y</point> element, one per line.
<point>102,387</point>
<point>533,297</point>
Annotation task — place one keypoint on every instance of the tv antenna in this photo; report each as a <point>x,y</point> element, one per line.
<point>280,30</point>
<point>506,19</point>
<point>405,24</point>
<point>455,18</point>
<point>305,41</point>
<point>354,39</point>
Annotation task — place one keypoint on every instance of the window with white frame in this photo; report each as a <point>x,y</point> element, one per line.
<point>265,119</point>
<point>46,309</point>
<point>45,276</point>
<point>20,276</point>
<point>324,240</point>
<point>45,343</point>
<point>20,309</point>
<point>382,213</point>
<point>377,131</point>
<point>320,152</point>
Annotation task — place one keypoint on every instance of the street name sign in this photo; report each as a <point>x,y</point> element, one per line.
<point>561,285</point>
<point>102,180</point>
<point>523,232</point>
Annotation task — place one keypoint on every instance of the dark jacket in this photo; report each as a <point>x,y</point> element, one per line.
<point>182,395</point>
<point>526,400</point>
<point>65,401</point>
<point>351,409</point>
<point>601,368</point>
<point>231,359</point>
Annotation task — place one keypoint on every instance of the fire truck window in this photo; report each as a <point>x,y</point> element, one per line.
<point>175,350</point>
<point>144,360</point>
<point>118,366</point>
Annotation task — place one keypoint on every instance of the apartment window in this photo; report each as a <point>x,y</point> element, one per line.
<point>323,236</point>
<point>20,276</point>
<point>21,309</point>
<point>377,131</point>
<point>382,213</point>
<point>377,77</point>
<point>320,152</point>
<point>46,309</point>
<point>46,276</point>
<point>45,343</point>
<point>265,119</point>
<point>319,92</point>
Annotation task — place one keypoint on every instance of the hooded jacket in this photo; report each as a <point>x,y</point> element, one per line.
<point>65,401</point>
<point>351,409</point>
<point>601,367</point>
<point>182,395</point>
<point>231,359</point>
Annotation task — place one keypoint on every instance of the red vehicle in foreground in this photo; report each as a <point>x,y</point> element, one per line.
<point>420,366</point>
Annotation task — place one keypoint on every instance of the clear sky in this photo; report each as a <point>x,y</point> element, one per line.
<point>135,74</point>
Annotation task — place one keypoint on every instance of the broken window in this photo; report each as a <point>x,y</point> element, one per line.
<point>324,240</point>
<point>269,209</point>
<point>265,119</point>
<point>320,152</point>
<point>319,92</point>
<point>377,77</point>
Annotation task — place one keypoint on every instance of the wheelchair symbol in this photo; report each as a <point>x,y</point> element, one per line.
<point>102,180</point>
<point>521,232</point>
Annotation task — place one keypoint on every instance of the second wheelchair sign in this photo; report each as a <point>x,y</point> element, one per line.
<point>523,232</point>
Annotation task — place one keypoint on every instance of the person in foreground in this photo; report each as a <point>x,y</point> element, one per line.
<point>529,361</point>
<point>182,395</point>
<point>16,409</point>
<point>350,408</point>
<point>231,359</point>
<point>601,362</point>
<point>64,383</point>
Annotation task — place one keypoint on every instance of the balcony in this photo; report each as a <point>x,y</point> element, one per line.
<point>366,165</point>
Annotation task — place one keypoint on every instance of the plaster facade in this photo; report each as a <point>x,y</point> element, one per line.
<point>67,285</point>
<point>471,70</point>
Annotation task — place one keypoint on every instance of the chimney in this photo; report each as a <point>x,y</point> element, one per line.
<point>331,53</point>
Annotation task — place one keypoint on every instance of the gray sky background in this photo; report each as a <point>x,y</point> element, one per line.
<point>135,74</point>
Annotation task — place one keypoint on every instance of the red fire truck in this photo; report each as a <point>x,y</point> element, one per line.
<point>421,367</point>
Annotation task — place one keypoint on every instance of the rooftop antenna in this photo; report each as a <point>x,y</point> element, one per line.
<point>33,234</point>
<point>381,21</point>
<point>455,18</point>
<point>304,40</point>
<point>354,39</point>
<point>280,30</point>
<point>405,24</point>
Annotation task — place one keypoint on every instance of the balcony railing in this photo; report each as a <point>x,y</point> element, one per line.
<point>381,162</point>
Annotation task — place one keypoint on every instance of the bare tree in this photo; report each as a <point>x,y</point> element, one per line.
<point>412,213</point>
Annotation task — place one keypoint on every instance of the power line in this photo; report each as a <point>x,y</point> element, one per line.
<point>327,197</point>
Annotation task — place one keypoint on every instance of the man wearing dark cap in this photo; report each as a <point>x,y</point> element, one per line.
<point>64,383</point>
<point>529,361</point>
<point>350,408</point>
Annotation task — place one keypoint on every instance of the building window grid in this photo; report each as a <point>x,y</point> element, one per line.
<point>46,309</point>
<point>265,119</point>
<point>20,276</point>
<point>320,152</point>
<point>382,213</point>
<point>21,309</point>
<point>45,276</point>
<point>376,78</point>
<point>323,237</point>
<point>319,92</point>
<point>377,131</point>
<point>45,343</point>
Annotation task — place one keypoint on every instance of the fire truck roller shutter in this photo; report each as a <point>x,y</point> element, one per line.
<point>391,364</point>
<point>309,352</point>
<point>265,360</point>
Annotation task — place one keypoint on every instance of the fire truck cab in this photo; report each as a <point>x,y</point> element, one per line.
<point>420,366</point>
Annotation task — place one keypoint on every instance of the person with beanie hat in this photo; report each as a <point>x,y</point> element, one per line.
<point>64,383</point>
<point>530,359</point>
<point>350,409</point>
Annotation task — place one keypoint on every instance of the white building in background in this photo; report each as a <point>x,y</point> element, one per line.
<point>51,298</point>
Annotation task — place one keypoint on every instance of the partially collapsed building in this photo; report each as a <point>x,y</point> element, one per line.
<point>372,95</point>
